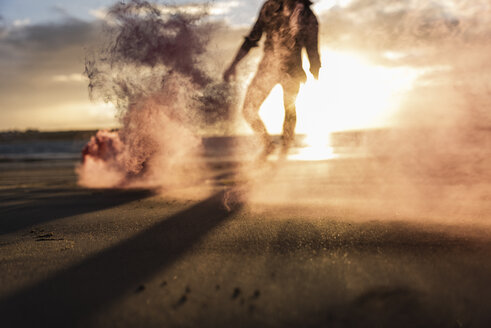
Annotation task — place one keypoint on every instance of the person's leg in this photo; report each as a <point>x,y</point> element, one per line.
<point>257,92</point>
<point>290,92</point>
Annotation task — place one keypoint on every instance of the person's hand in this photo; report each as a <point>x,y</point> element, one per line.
<point>229,74</point>
<point>315,72</point>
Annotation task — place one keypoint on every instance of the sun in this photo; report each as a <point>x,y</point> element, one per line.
<point>351,93</point>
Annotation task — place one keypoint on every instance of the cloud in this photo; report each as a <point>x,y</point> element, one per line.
<point>74,77</point>
<point>389,25</point>
<point>406,24</point>
<point>50,37</point>
<point>99,13</point>
<point>43,62</point>
<point>40,64</point>
<point>322,6</point>
<point>214,9</point>
<point>21,22</point>
<point>222,8</point>
<point>448,40</point>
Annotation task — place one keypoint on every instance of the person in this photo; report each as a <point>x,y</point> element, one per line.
<point>289,26</point>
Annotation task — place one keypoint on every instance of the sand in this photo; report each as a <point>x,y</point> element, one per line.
<point>73,257</point>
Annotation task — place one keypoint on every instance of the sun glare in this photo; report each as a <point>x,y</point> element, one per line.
<point>351,93</point>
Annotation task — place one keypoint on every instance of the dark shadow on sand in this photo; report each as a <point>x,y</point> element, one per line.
<point>384,307</point>
<point>38,206</point>
<point>68,297</point>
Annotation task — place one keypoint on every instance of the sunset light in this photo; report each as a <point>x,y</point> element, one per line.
<point>154,173</point>
<point>351,93</point>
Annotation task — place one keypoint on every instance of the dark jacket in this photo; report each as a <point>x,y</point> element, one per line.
<point>286,36</point>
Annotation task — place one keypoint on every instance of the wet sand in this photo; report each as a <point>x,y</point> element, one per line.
<point>113,258</point>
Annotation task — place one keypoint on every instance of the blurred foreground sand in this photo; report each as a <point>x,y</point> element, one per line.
<point>101,258</point>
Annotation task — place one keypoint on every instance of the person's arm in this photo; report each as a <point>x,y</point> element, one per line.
<point>250,41</point>
<point>312,43</point>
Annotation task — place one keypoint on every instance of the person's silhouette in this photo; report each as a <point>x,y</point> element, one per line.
<point>290,26</point>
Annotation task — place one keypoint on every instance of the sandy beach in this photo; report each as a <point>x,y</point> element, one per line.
<point>130,258</point>
<point>279,163</point>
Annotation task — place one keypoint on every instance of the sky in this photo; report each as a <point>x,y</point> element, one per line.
<point>23,12</point>
<point>436,51</point>
<point>42,51</point>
